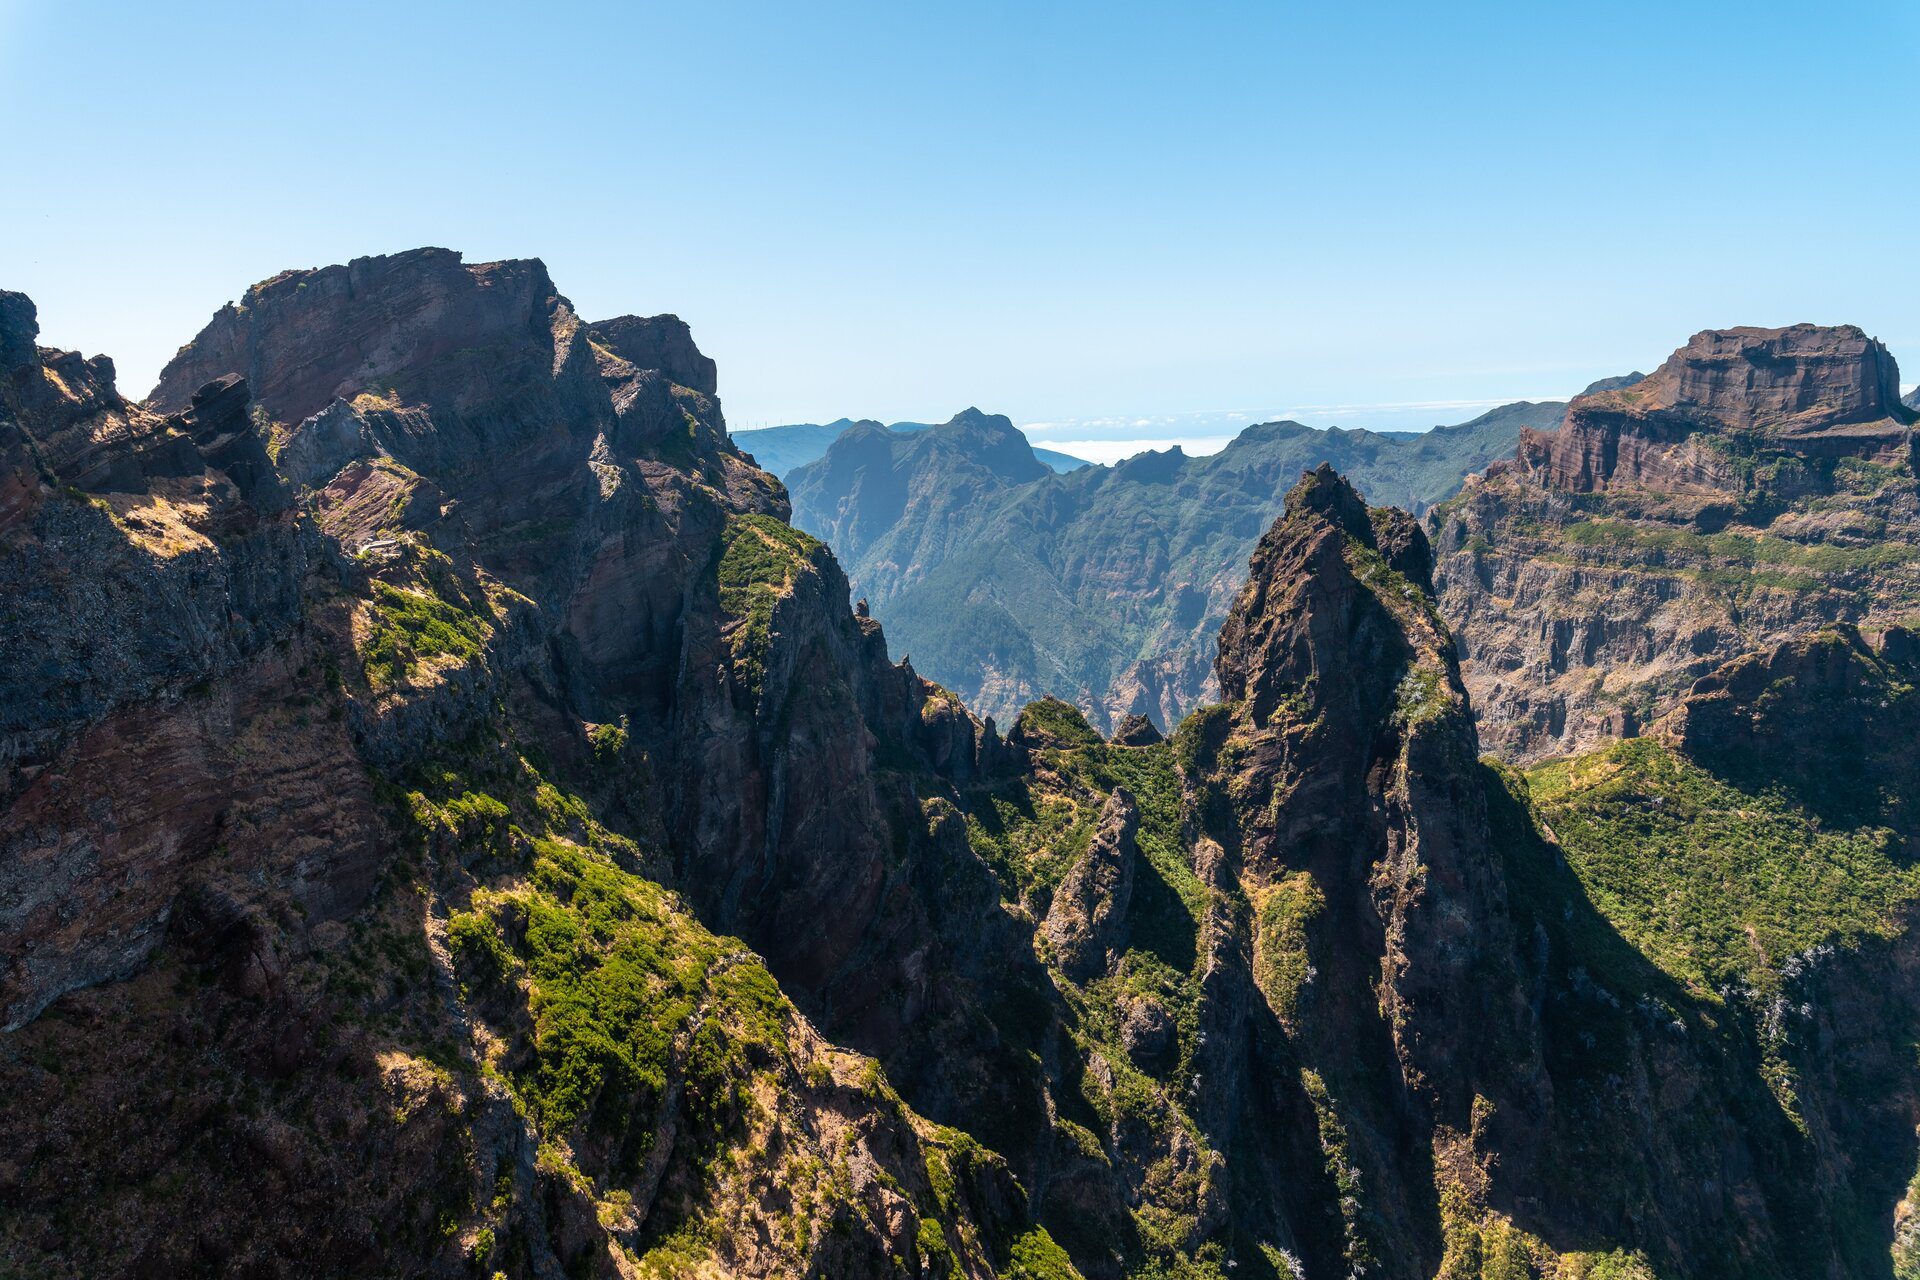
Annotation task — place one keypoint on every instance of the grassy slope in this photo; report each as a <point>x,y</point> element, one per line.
<point>1711,882</point>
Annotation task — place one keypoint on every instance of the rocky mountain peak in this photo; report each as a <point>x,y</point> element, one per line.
<point>1786,381</point>
<point>1333,593</point>
<point>1327,494</point>
<point>334,332</point>
<point>663,342</point>
<point>991,440</point>
<point>19,329</point>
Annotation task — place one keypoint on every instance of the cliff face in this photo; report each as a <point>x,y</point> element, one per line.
<point>148,560</point>
<point>1105,586</point>
<point>366,771</point>
<point>1758,485</point>
<point>394,755</point>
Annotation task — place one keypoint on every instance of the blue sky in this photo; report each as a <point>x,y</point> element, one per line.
<point>1069,213</point>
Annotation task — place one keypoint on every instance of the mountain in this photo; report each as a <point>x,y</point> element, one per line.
<point>1105,586</point>
<point>1759,485</point>
<point>398,712</point>
<point>453,824</point>
<point>784,450</point>
<point>400,723</point>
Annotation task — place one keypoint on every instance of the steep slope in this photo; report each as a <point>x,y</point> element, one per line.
<point>373,806</point>
<point>1413,1029</point>
<point>413,891</point>
<point>1759,485</point>
<point>1105,586</point>
<point>1755,856</point>
<point>367,910</point>
<point>784,450</point>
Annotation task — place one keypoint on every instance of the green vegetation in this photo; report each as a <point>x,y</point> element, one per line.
<point>601,1002</point>
<point>1482,1245</point>
<point>1336,1147</point>
<point>612,968</point>
<point>1029,837</point>
<point>1054,723</point>
<point>1906,1234</point>
<point>1198,737</point>
<point>759,561</point>
<point>1861,476</point>
<point>409,626</point>
<point>1751,551</point>
<point>1422,697</point>
<point>609,742</point>
<point>931,1244</point>
<point>1712,882</point>
<point>1282,965</point>
<point>1031,829</point>
<point>1037,1257</point>
<point>1399,593</point>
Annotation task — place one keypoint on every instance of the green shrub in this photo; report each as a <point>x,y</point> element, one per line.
<point>608,741</point>
<point>1710,881</point>
<point>1036,1257</point>
<point>1053,722</point>
<point>408,627</point>
<point>759,560</point>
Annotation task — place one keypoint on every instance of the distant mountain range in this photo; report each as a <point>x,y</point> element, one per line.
<point>1104,586</point>
<point>783,450</point>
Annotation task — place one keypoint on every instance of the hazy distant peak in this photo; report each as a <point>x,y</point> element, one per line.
<point>1619,382</point>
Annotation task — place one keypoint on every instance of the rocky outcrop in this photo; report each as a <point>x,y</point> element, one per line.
<point>660,342</point>
<point>151,588</point>
<point>1345,698</point>
<point>1137,731</point>
<point>1792,382</point>
<point>1825,716</point>
<point>1085,927</point>
<point>1758,485</point>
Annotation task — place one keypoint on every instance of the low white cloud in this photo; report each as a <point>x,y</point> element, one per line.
<point>1112,437</point>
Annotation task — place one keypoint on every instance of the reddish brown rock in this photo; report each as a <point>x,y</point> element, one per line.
<point>1759,485</point>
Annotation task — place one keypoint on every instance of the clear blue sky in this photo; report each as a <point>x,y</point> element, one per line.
<point>1055,211</point>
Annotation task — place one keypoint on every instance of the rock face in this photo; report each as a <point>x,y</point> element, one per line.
<point>1758,485</point>
<point>148,560</point>
<point>1137,731</point>
<point>1105,586</point>
<point>1825,716</point>
<point>660,342</point>
<point>1085,926</point>
<point>509,853</point>
<point>269,745</point>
